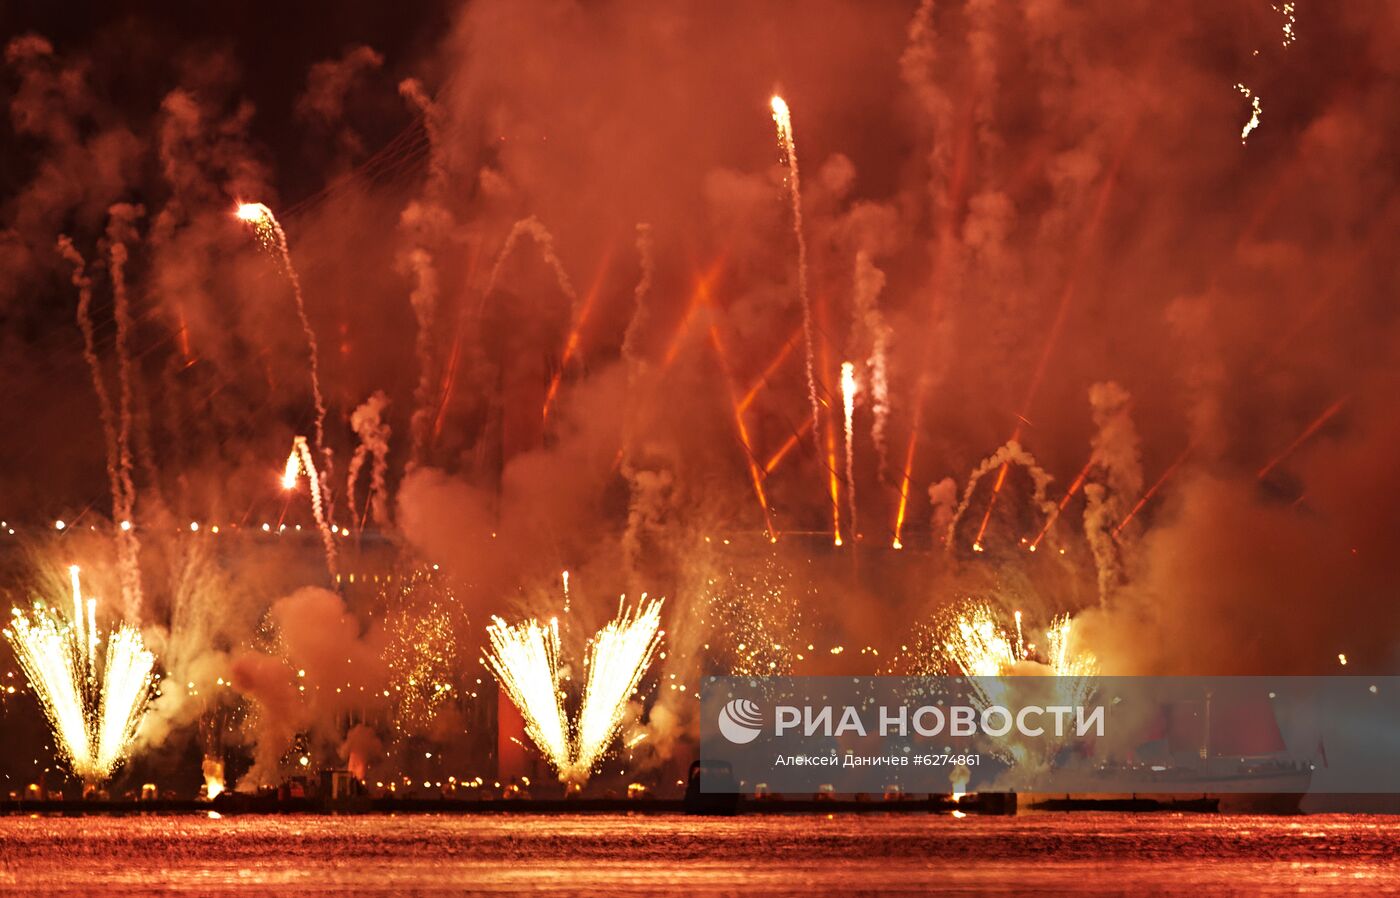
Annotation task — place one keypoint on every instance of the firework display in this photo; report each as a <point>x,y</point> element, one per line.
<point>1055,357</point>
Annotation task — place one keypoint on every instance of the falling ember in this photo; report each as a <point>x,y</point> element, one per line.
<point>782,117</point>
<point>1289,21</point>
<point>301,462</point>
<point>848,404</point>
<point>525,660</point>
<point>1255,111</point>
<point>1342,659</point>
<point>1020,638</point>
<point>94,705</point>
<point>618,657</point>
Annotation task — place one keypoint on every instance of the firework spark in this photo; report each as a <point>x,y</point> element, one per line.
<point>782,117</point>
<point>300,461</point>
<point>977,645</point>
<point>93,705</point>
<point>617,658</point>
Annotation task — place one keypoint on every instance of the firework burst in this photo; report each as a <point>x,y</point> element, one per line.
<point>525,660</point>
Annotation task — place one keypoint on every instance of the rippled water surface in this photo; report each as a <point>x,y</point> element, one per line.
<point>1083,854</point>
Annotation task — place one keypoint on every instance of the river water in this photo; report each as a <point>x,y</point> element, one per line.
<point>1048,854</point>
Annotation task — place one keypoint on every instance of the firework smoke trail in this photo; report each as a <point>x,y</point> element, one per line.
<point>618,657</point>
<point>848,405</point>
<point>535,229</point>
<point>300,461</point>
<point>119,229</point>
<point>94,719</point>
<point>122,494</point>
<point>423,298</point>
<point>631,351</point>
<point>426,221</point>
<point>1303,437</point>
<point>782,117</point>
<point>273,239</point>
<point>525,661</point>
<point>869,281</point>
<point>368,422</point>
<point>1255,111</point>
<point>1003,458</point>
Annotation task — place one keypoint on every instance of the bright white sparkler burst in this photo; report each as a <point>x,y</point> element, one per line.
<point>617,658</point>
<point>525,660</point>
<point>94,700</point>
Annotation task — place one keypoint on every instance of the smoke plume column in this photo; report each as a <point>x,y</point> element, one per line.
<point>535,229</point>
<point>301,461</point>
<point>782,117</point>
<point>1117,453</point>
<point>272,238</point>
<point>943,497</point>
<point>1009,454</point>
<point>120,229</point>
<point>869,281</point>
<point>848,405</point>
<point>368,423</point>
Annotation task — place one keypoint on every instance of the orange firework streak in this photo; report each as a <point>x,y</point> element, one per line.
<point>1100,207</point>
<point>786,447</point>
<point>1152,491</point>
<point>1303,437</point>
<point>769,371</point>
<point>449,376</point>
<point>908,468</point>
<point>833,481</point>
<point>739,426</point>
<point>572,343</point>
<point>698,298</point>
<point>1069,494</point>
